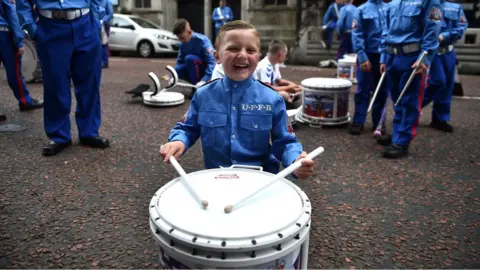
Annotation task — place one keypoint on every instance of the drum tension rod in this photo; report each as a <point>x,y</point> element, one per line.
<point>297,236</point>
<point>224,256</point>
<point>172,243</point>
<point>253,255</point>
<point>194,252</point>
<point>279,247</point>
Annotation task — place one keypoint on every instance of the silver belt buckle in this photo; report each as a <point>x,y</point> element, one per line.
<point>60,14</point>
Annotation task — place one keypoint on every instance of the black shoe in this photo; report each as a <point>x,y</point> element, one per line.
<point>3,117</point>
<point>52,148</point>
<point>395,151</point>
<point>384,140</point>
<point>36,104</point>
<point>95,142</point>
<point>355,129</point>
<point>441,125</point>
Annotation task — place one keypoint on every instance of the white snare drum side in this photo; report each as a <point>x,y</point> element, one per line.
<point>31,70</point>
<point>277,217</point>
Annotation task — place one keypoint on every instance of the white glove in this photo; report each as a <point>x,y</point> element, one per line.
<point>199,84</point>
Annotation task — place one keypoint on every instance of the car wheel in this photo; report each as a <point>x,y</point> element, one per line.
<point>145,49</point>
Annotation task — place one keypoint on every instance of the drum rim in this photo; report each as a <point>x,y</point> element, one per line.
<point>345,84</point>
<point>266,240</point>
<point>261,257</point>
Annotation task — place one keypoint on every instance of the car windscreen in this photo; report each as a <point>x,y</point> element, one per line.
<point>144,23</point>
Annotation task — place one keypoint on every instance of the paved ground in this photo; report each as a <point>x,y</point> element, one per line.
<point>89,208</point>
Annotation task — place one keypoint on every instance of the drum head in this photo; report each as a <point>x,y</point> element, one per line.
<point>278,206</point>
<point>29,61</point>
<point>326,83</point>
<point>163,98</point>
<point>293,112</point>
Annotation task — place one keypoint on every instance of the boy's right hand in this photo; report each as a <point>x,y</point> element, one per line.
<point>175,149</point>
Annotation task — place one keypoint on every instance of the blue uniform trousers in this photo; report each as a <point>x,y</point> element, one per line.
<point>70,49</point>
<point>346,45</point>
<point>13,66</point>
<point>367,82</point>
<point>407,113</point>
<point>193,69</point>
<point>440,85</point>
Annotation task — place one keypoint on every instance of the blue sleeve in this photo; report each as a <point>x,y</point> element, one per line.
<point>187,130</point>
<point>285,146</point>
<point>215,16</point>
<point>458,28</point>
<point>25,17</point>
<point>209,59</point>
<point>383,42</point>
<point>358,36</point>
<point>12,19</point>
<point>98,9</point>
<point>432,23</point>
<point>230,14</point>
<point>108,12</point>
<point>326,17</point>
<point>341,21</point>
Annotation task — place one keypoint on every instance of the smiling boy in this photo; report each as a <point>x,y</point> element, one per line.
<point>236,116</point>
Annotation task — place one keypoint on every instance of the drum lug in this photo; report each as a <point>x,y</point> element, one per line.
<point>253,255</point>
<point>279,247</point>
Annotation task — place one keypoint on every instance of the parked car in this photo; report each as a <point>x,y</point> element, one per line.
<point>134,33</point>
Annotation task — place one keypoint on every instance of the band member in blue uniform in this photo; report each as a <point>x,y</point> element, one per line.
<point>367,25</point>
<point>107,19</point>
<point>237,116</point>
<point>344,29</point>
<point>442,71</point>
<point>330,20</point>
<point>11,51</point>
<point>195,61</point>
<point>221,15</point>
<point>412,28</point>
<point>68,43</point>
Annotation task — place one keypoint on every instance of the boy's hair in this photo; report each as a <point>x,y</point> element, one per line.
<point>277,46</point>
<point>234,25</point>
<point>180,26</point>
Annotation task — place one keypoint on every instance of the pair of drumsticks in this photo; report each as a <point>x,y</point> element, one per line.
<point>229,207</point>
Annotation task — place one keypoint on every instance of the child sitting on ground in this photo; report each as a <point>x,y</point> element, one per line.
<point>268,71</point>
<point>236,116</point>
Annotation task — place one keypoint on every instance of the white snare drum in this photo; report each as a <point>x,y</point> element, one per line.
<point>31,70</point>
<point>325,101</point>
<point>291,115</point>
<point>347,68</point>
<point>268,231</point>
<point>163,99</point>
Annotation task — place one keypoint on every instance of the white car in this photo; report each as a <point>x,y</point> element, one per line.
<point>134,33</point>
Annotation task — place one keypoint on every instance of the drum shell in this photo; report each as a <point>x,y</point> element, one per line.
<point>177,247</point>
<point>31,70</point>
<point>347,69</point>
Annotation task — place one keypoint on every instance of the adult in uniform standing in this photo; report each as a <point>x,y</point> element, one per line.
<point>367,25</point>
<point>330,20</point>
<point>442,71</point>
<point>106,28</point>
<point>11,51</point>
<point>412,28</point>
<point>68,42</point>
<point>221,15</point>
<point>344,29</point>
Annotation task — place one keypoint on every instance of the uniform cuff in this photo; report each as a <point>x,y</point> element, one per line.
<point>383,57</point>
<point>31,29</point>
<point>428,60</point>
<point>181,138</point>
<point>445,35</point>
<point>362,57</point>
<point>290,158</point>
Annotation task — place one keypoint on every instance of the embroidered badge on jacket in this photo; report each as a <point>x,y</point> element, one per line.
<point>436,14</point>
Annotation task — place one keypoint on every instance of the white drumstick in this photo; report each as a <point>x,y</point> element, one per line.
<point>376,91</point>
<point>290,169</point>
<point>185,180</point>
<point>424,54</point>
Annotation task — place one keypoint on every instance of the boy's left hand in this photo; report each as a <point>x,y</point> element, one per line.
<point>307,167</point>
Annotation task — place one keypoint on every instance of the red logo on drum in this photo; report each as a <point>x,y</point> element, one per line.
<point>227,176</point>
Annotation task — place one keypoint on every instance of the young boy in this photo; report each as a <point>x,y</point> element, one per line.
<point>268,72</point>
<point>236,116</point>
<point>195,60</point>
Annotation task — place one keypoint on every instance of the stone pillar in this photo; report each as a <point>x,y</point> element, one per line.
<point>207,24</point>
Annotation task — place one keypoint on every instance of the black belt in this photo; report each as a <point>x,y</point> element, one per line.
<point>403,49</point>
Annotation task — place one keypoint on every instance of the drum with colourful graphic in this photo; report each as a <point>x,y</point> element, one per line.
<point>269,231</point>
<point>347,68</point>
<point>325,101</point>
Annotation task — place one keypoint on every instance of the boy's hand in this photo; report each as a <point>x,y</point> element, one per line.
<point>175,149</point>
<point>307,167</point>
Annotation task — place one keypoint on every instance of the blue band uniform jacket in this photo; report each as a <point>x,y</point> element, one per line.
<point>235,121</point>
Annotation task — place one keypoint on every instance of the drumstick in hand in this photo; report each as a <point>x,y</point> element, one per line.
<point>185,179</point>
<point>290,169</point>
